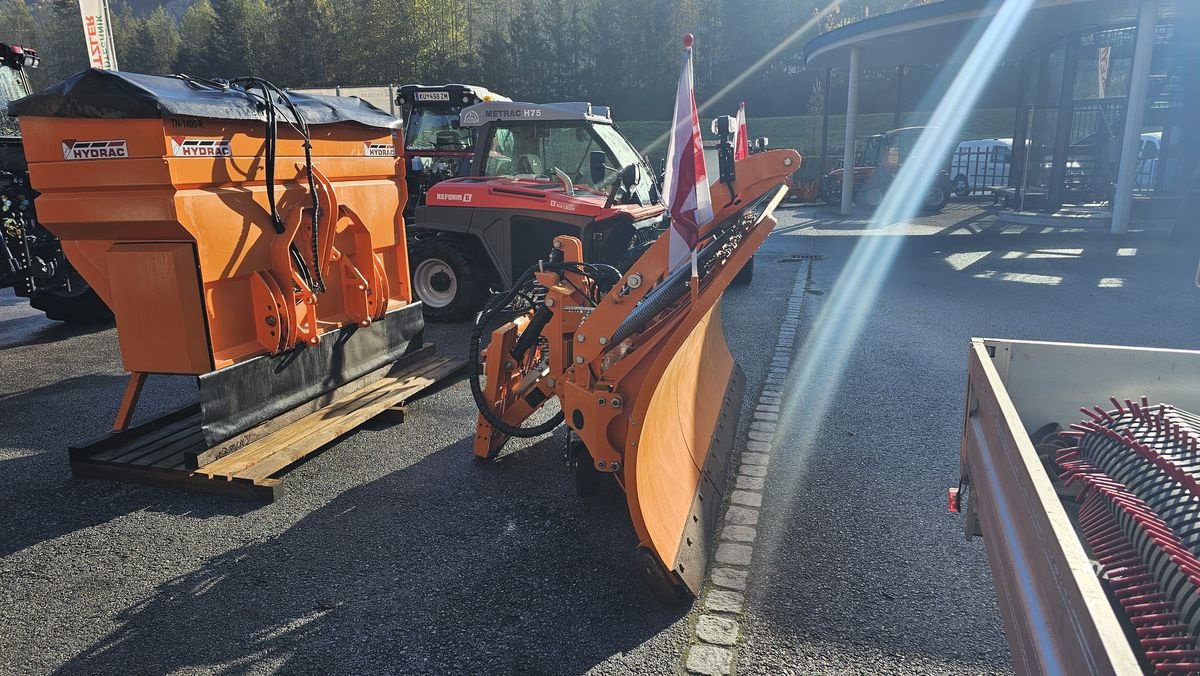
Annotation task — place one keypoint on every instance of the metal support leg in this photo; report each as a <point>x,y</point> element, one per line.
<point>133,390</point>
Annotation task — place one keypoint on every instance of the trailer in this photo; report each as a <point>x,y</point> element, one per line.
<point>1030,476</point>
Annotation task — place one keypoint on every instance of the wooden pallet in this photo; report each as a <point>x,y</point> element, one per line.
<point>165,451</point>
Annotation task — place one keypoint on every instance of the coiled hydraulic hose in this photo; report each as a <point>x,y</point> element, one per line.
<point>493,307</point>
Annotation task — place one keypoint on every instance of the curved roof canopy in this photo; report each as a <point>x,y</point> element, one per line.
<point>932,34</point>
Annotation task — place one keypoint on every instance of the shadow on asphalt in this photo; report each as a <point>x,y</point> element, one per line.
<point>446,566</point>
<point>37,330</point>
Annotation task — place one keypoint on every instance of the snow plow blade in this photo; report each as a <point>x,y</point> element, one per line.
<point>639,364</point>
<point>675,475</point>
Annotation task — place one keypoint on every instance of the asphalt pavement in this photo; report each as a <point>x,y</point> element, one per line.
<point>393,551</point>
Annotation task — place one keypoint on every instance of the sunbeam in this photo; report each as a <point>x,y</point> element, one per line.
<point>826,352</point>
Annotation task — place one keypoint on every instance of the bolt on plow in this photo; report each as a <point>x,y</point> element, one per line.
<point>638,364</point>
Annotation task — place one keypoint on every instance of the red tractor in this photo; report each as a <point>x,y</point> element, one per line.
<point>882,157</point>
<point>435,146</point>
<point>538,171</point>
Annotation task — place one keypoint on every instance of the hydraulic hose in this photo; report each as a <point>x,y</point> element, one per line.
<point>494,306</point>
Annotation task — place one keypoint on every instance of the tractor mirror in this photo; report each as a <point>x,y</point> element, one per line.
<point>597,167</point>
<point>631,175</point>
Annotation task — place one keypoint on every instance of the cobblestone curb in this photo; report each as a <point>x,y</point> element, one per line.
<point>718,628</point>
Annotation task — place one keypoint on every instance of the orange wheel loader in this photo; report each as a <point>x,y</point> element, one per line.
<point>248,237</point>
<point>638,364</point>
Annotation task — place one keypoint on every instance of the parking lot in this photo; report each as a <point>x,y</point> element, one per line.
<point>392,551</point>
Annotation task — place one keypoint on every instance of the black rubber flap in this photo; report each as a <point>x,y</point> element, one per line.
<point>112,94</point>
<point>234,399</point>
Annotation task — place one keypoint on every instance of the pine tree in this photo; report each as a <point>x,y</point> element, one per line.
<point>127,36</point>
<point>157,46</point>
<point>61,42</point>
<point>241,43</point>
<point>197,30</point>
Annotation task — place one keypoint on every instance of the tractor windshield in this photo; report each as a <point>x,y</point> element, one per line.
<point>870,153</point>
<point>537,150</point>
<point>12,87</point>
<point>435,128</point>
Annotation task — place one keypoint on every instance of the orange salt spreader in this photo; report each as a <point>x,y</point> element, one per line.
<point>246,236</point>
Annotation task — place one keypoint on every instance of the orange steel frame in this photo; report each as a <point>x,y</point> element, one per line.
<point>619,390</point>
<point>184,251</point>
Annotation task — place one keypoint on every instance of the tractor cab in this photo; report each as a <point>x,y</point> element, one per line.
<point>13,85</point>
<point>878,164</point>
<point>436,147</point>
<point>539,171</point>
<point>554,142</point>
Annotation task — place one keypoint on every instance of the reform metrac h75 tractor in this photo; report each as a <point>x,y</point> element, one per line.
<point>539,171</point>
<point>878,165</point>
<point>435,146</point>
<point>31,258</point>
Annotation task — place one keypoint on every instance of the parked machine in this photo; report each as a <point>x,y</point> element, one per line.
<point>879,164</point>
<point>32,262</point>
<point>636,360</point>
<point>266,258</point>
<point>539,171</point>
<point>436,147</point>
<point>980,164</point>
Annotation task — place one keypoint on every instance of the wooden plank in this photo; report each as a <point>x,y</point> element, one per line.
<point>263,490</point>
<point>293,435</point>
<point>277,451</point>
<point>321,428</point>
<point>148,440</point>
<point>210,455</point>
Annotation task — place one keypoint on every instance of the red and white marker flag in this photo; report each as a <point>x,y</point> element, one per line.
<point>685,183</point>
<point>742,150</point>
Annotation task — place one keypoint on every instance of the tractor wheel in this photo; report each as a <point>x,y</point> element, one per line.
<point>962,187</point>
<point>446,278</point>
<point>935,198</point>
<point>745,275</point>
<point>661,584</point>
<point>73,307</point>
<point>871,195</point>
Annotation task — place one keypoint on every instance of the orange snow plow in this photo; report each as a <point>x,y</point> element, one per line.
<point>241,235</point>
<point>640,368</point>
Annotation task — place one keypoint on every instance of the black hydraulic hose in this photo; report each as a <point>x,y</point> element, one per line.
<point>532,332</point>
<point>497,303</point>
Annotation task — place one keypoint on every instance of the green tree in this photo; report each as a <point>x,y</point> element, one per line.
<point>18,23</point>
<point>313,24</point>
<point>197,30</point>
<point>241,45</point>
<point>60,41</point>
<point>157,44</point>
<point>127,36</point>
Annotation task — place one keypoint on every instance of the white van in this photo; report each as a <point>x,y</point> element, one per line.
<point>980,164</point>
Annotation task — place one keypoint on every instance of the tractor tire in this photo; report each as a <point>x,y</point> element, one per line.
<point>447,278</point>
<point>79,307</point>
<point>745,275</point>
<point>962,187</point>
<point>871,195</point>
<point>936,198</point>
